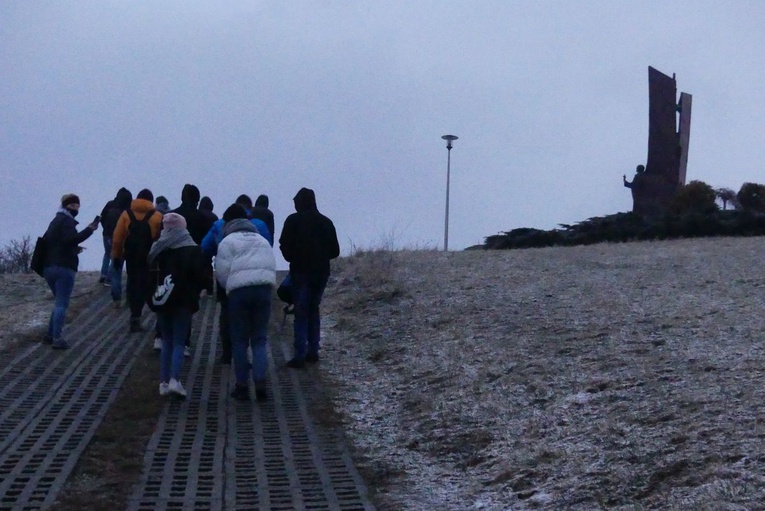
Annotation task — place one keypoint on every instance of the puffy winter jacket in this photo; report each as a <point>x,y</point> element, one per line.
<point>244,259</point>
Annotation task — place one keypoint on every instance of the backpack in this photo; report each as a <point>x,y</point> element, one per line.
<point>39,256</point>
<point>163,293</point>
<point>139,238</point>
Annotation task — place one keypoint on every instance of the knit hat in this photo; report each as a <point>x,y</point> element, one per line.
<point>69,198</point>
<point>173,221</point>
<point>233,212</point>
<point>162,200</point>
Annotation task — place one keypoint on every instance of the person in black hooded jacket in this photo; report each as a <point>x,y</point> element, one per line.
<point>109,216</point>
<point>261,212</point>
<point>188,210</point>
<point>308,242</point>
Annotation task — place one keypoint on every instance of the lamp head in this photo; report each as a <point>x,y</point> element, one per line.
<point>449,139</point>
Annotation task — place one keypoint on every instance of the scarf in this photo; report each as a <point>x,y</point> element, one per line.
<point>238,225</point>
<point>168,239</point>
<point>66,212</point>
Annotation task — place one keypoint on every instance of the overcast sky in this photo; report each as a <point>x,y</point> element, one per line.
<point>549,100</point>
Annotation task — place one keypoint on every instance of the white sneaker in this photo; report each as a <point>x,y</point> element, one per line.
<point>158,344</point>
<point>175,387</point>
<point>186,352</point>
<point>164,389</point>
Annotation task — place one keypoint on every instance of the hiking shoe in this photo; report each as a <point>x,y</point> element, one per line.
<point>135,326</point>
<point>186,352</point>
<point>296,363</point>
<point>240,393</point>
<point>59,344</point>
<point>117,304</point>
<point>158,344</point>
<point>312,358</point>
<point>175,387</point>
<point>164,389</point>
<point>47,339</point>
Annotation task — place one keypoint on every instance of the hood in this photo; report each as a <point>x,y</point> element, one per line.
<point>190,194</point>
<point>206,204</point>
<point>305,200</point>
<point>261,201</point>
<point>123,198</point>
<point>238,225</point>
<point>141,206</point>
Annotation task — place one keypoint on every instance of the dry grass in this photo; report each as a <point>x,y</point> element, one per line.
<point>113,461</point>
<point>610,376</point>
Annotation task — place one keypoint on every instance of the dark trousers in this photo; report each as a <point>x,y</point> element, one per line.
<point>137,279</point>
<point>308,289</point>
<point>249,309</point>
<point>223,326</point>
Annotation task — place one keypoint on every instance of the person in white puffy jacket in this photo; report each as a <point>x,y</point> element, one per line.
<point>245,266</point>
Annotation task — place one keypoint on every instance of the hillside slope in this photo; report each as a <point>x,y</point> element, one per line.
<point>620,376</point>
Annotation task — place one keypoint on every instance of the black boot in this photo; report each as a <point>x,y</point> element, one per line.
<point>135,325</point>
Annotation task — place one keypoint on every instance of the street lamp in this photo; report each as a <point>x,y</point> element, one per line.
<point>449,139</point>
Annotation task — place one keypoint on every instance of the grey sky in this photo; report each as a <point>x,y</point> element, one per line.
<point>350,98</point>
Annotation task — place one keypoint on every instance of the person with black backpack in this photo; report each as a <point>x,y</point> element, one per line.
<point>136,230</point>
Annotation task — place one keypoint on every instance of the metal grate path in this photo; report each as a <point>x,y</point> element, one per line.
<point>212,452</point>
<point>52,402</point>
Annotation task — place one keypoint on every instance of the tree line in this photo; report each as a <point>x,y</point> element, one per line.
<point>694,212</point>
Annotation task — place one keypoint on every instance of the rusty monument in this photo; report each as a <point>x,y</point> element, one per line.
<point>669,124</point>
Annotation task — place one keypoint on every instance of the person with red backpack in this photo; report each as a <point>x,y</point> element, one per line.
<point>136,230</point>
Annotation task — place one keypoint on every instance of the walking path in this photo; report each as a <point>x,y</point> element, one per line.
<point>208,452</point>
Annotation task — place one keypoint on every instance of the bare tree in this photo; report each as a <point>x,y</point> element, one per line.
<point>16,256</point>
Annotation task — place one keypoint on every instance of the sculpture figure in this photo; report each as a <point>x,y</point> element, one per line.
<point>655,184</point>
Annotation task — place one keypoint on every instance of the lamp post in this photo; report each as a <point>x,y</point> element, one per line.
<point>449,139</point>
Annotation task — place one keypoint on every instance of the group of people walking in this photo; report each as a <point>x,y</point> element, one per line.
<point>172,256</point>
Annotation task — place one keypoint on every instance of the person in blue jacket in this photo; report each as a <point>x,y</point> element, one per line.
<point>210,249</point>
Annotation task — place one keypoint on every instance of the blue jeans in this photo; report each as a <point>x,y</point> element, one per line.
<point>249,309</point>
<point>115,276</point>
<point>174,325</point>
<point>61,282</point>
<point>107,260</point>
<point>307,288</point>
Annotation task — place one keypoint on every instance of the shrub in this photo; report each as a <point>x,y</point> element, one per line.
<point>16,256</point>
<point>751,197</point>
<point>695,197</point>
